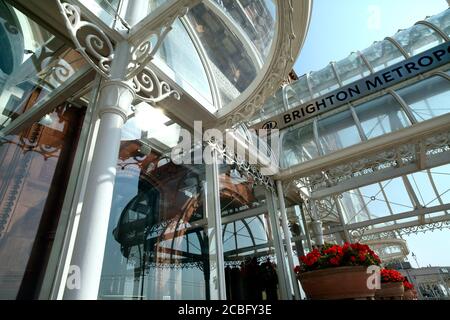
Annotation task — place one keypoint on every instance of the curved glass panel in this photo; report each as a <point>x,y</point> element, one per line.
<point>110,10</point>
<point>380,116</point>
<point>337,131</point>
<point>442,21</point>
<point>256,18</point>
<point>418,38</point>
<point>428,98</point>
<point>382,54</point>
<point>176,49</point>
<point>323,81</point>
<point>301,88</point>
<point>33,63</point>
<point>230,62</point>
<point>298,145</point>
<point>351,69</point>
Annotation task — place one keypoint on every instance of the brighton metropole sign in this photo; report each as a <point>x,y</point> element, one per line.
<point>407,69</point>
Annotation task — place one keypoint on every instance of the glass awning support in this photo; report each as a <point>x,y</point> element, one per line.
<point>126,78</point>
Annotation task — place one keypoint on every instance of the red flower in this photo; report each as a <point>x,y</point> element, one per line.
<point>407,285</point>
<point>391,276</point>
<point>332,255</point>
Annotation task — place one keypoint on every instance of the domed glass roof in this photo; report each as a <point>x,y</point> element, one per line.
<point>220,49</point>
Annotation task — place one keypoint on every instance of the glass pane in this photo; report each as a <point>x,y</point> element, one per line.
<point>428,98</point>
<point>423,188</point>
<point>351,69</point>
<point>154,250</point>
<point>33,63</point>
<point>442,21</point>
<point>231,64</point>
<point>301,88</point>
<point>323,81</point>
<point>297,146</point>
<point>176,49</point>
<point>382,54</point>
<point>109,11</point>
<point>35,168</point>
<point>440,176</point>
<point>418,38</point>
<point>380,116</point>
<point>337,131</point>
<point>257,19</point>
<point>397,196</point>
<point>250,262</point>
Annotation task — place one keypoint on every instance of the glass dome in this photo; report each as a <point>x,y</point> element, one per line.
<point>221,68</point>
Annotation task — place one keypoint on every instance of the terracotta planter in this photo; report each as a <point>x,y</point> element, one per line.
<point>390,290</point>
<point>337,283</point>
<point>409,295</point>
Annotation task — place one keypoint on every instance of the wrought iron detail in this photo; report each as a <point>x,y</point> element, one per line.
<point>248,169</point>
<point>395,157</point>
<point>95,47</point>
<point>149,88</point>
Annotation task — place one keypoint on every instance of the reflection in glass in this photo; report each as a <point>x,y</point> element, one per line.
<point>35,168</point>
<point>250,263</point>
<point>33,63</point>
<point>230,63</point>
<point>158,244</point>
<point>175,50</point>
<point>256,18</point>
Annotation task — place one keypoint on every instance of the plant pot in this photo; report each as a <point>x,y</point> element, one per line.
<point>337,283</point>
<point>409,295</point>
<point>390,290</point>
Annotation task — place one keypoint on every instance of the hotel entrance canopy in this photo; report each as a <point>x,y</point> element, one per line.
<point>375,166</point>
<point>238,51</point>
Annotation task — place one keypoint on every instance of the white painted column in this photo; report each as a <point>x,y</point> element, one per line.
<point>115,99</point>
<point>316,226</point>
<point>290,253</point>
<point>283,283</point>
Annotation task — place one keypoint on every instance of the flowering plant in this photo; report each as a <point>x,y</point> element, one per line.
<point>407,285</point>
<point>329,255</point>
<point>388,275</point>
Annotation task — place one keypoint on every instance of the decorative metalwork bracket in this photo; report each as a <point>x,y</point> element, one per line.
<point>98,50</point>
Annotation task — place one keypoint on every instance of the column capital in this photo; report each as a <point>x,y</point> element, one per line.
<point>116,96</point>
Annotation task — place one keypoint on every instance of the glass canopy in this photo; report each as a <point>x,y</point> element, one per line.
<point>358,65</point>
<point>221,67</point>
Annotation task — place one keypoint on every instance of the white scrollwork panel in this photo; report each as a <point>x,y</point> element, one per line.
<point>91,41</point>
<point>149,88</point>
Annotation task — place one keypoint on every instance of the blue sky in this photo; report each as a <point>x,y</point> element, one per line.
<point>339,27</point>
